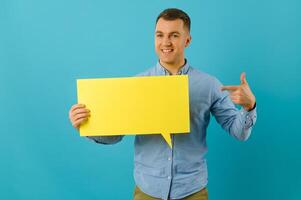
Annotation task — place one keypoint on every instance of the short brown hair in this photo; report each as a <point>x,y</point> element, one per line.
<point>173,14</point>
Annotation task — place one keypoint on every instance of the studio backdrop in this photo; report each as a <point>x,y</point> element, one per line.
<point>46,45</point>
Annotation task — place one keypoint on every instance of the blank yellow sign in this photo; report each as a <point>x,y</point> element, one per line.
<point>135,105</point>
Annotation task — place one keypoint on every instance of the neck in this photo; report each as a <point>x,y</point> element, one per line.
<point>173,68</point>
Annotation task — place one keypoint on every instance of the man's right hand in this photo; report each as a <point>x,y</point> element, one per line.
<point>78,114</point>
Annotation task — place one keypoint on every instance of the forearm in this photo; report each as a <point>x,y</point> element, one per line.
<point>106,139</point>
<point>242,124</point>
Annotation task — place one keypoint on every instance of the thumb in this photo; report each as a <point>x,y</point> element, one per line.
<point>243,79</point>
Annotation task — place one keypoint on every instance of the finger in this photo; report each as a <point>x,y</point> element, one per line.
<point>235,99</point>
<point>79,116</point>
<point>243,79</point>
<point>76,106</point>
<point>230,87</point>
<point>79,111</point>
<point>78,122</point>
<point>235,92</point>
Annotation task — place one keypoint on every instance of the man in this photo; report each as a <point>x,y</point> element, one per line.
<point>181,172</point>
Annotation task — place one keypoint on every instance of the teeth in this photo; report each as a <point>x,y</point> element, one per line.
<point>166,50</point>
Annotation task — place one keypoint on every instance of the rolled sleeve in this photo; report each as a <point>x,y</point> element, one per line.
<point>237,122</point>
<point>106,139</point>
<point>250,117</point>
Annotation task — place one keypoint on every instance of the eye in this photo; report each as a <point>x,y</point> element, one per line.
<point>175,35</point>
<point>159,35</point>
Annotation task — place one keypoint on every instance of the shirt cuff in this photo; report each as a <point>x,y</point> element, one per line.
<point>249,117</point>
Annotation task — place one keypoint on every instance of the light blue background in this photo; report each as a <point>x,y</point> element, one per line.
<point>46,45</point>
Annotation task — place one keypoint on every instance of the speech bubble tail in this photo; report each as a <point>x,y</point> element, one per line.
<point>167,138</point>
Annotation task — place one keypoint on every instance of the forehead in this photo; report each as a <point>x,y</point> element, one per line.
<point>167,26</point>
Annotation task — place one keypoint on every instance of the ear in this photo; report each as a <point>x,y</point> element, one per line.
<point>188,40</point>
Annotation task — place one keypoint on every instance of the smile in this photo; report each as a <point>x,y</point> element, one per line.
<point>167,50</point>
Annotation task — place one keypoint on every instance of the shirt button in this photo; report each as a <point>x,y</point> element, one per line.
<point>168,177</point>
<point>169,158</point>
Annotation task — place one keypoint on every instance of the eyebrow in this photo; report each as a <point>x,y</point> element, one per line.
<point>170,32</point>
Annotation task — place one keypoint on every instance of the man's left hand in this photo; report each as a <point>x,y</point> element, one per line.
<point>241,94</point>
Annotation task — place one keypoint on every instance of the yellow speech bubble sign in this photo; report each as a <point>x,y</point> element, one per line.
<point>135,105</point>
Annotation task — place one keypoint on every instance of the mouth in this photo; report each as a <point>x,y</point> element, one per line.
<point>166,51</point>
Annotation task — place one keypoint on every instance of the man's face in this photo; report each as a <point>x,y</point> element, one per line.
<point>171,38</point>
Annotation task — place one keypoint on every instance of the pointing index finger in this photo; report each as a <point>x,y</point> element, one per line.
<point>230,88</point>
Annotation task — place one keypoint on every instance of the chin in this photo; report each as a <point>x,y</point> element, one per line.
<point>167,61</point>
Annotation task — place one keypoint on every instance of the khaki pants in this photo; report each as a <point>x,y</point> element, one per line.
<point>200,195</point>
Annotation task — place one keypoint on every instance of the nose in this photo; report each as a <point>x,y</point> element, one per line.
<point>166,41</point>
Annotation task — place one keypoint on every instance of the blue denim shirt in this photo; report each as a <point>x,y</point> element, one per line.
<point>175,173</point>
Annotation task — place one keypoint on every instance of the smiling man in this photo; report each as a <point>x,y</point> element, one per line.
<point>172,36</point>
<point>181,172</point>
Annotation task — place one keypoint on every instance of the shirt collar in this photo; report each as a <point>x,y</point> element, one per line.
<point>162,71</point>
